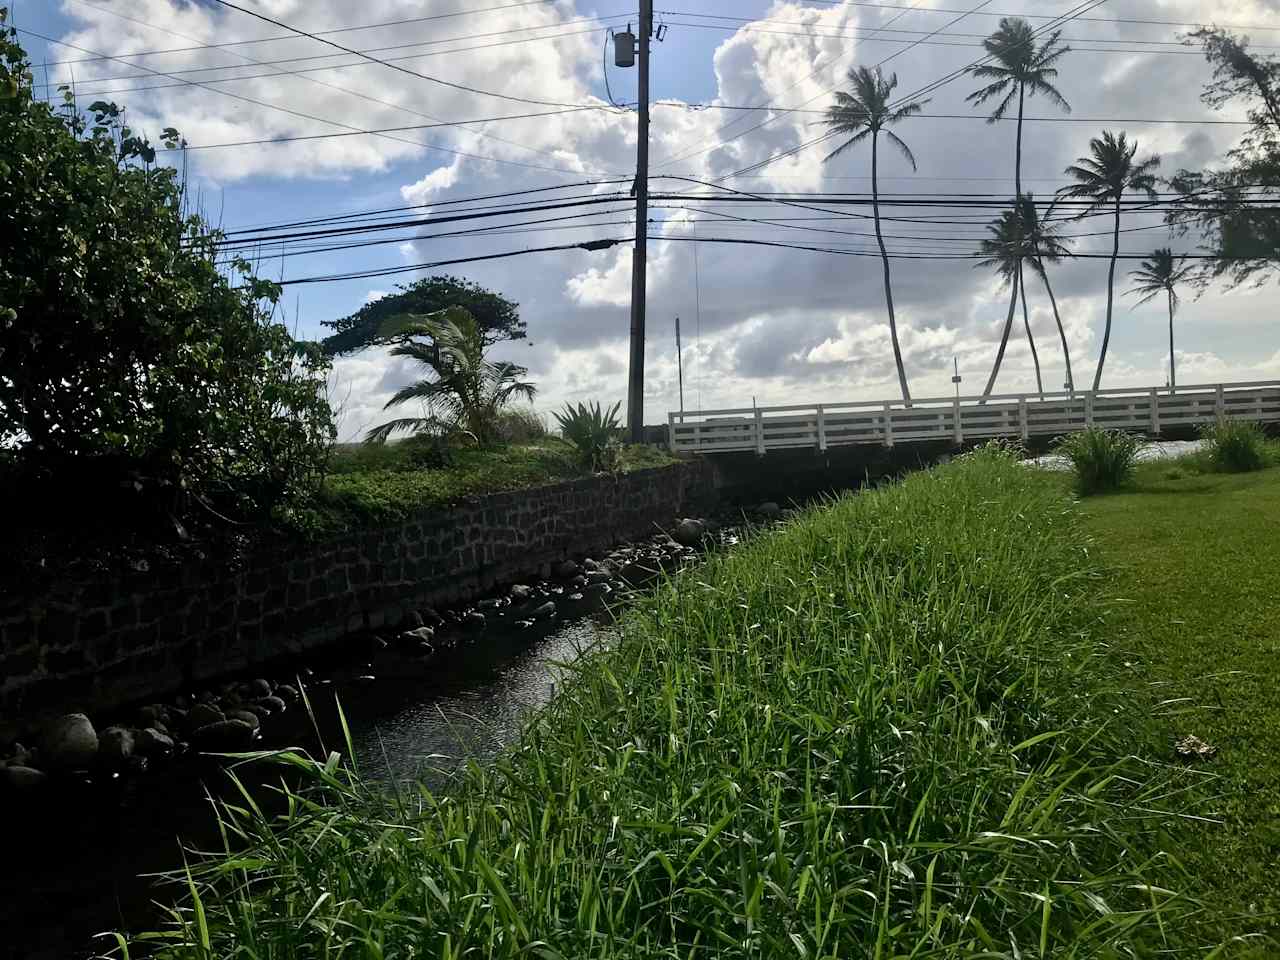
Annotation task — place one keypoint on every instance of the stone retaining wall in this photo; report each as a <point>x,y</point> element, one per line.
<point>94,644</point>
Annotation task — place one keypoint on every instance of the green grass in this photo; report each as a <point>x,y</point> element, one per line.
<point>890,729</point>
<point>1102,460</point>
<point>1196,611</point>
<point>372,485</point>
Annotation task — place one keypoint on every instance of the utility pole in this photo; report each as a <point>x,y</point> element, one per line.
<point>680,368</point>
<point>635,377</point>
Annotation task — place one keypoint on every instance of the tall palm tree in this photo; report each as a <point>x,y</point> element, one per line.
<point>1044,246</point>
<point>465,391</point>
<point>1004,250</point>
<point>1103,178</point>
<point>1020,68</point>
<point>863,111</point>
<point>1161,273</point>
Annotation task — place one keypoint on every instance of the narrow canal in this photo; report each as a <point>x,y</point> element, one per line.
<point>75,862</point>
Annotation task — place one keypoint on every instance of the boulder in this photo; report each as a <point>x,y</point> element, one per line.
<point>431,617</point>
<point>247,716</point>
<point>566,568</point>
<point>574,596</point>
<point>257,709</point>
<point>690,532</point>
<point>223,735</point>
<point>412,620</point>
<point>288,692</point>
<point>115,747</point>
<point>150,742</point>
<point>548,609</point>
<point>68,743</point>
<point>769,510</point>
<point>151,714</point>
<point>274,704</point>
<point>474,620</point>
<point>203,714</point>
<point>256,689</point>
<point>418,635</point>
<point>489,603</point>
<point>17,778</point>
<point>18,756</point>
<point>521,591</point>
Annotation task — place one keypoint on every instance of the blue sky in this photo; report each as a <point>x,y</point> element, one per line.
<point>784,326</point>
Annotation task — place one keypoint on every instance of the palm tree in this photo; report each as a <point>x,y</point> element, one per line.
<point>465,391</point>
<point>1161,273</point>
<point>1004,250</point>
<point>1103,178</point>
<point>861,112</point>
<point>1044,246</point>
<point>1020,68</point>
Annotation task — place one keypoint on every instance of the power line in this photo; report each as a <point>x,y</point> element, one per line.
<point>556,34</point>
<point>307,116</point>
<point>290,36</point>
<point>405,70</point>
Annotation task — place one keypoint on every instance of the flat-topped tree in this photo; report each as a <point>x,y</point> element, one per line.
<point>1103,178</point>
<point>861,112</point>
<point>497,318</point>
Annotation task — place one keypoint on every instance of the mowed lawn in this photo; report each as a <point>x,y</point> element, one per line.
<point>1196,591</point>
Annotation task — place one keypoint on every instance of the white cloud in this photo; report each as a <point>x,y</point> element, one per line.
<point>373,295</point>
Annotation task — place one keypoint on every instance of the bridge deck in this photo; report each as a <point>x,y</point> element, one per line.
<point>889,422</point>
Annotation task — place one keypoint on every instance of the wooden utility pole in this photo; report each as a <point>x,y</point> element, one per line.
<point>635,377</point>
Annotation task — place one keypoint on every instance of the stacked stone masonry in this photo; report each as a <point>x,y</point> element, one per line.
<point>96,644</point>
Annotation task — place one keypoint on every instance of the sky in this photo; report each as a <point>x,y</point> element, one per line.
<point>760,324</point>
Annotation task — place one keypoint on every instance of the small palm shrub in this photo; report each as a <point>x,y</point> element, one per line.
<point>520,425</point>
<point>1236,446</point>
<point>1102,459</point>
<point>593,432</point>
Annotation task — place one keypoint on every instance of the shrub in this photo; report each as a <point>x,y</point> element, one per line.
<point>137,374</point>
<point>1102,459</point>
<point>1236,446</point>
<point>593,433</point>
<point>520,425</point>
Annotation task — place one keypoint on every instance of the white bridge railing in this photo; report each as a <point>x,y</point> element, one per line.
<point>957,419</point>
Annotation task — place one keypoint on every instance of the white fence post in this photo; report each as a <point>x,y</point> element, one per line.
<point>822,429</point>
<point>759,433</point>
<point>1219,404</point>
<point>1155,412</point>
<point>1088,409</point>
<point>959,430</point>
<point>1024,426</point>
<point>888,423</point>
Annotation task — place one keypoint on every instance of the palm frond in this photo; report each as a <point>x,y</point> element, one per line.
<point>902,148</point>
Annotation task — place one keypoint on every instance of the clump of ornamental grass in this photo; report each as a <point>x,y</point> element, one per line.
<point>1102,460</point>
<point>1236,446</point>
<point>886,730</point>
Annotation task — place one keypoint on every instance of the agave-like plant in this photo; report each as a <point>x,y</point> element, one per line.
<point>592,430</point>
<point>465,392</point>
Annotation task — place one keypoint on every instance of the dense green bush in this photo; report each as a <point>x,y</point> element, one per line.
<point>594,433</point>
<point>1236,446</point>
<point>128,359</point>
<point>1102,459</point>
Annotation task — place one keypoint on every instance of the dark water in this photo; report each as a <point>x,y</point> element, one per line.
<point>73,865</point>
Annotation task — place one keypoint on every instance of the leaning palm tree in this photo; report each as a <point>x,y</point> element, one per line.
<point>1020,68</point>
<point>1161,273</point>
<point>464,391</point>
<point>861,112</point>
<point>1044,246</point>
<point>1005,249</point>
<point>1103,178</point>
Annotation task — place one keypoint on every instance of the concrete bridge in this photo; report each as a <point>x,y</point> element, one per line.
<point>959,420</point>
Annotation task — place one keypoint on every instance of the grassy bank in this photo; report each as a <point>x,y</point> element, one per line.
<point>890,729</point>
<point>1195,608</point>
<point>373,485</point>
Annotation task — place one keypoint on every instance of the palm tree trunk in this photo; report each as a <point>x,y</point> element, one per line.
<point>1111,290</point>
<point>1173,377</point>
<point>1017,149</point>
<point>1004,341</point>
<point>1062,334</point>
<point>884,256</point>
<point>1026,322</point>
